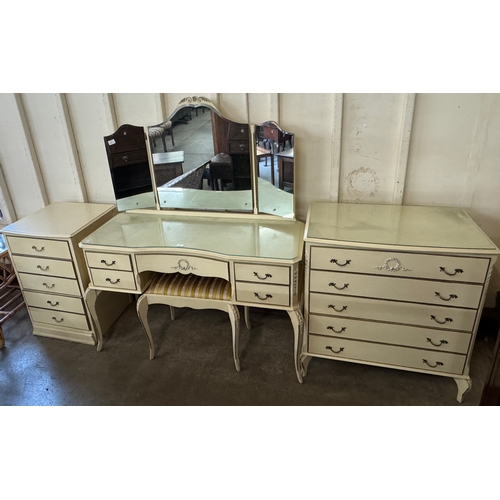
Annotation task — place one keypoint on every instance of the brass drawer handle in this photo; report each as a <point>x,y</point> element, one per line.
<point>457,271</point>
<point>57,320</point>
<point>38,249</point>
<point>438,363</point>
<point>43,268</point>
<point>452,296</point>
<point>446,320</point>
<point>113,282</point>
<point>264,278</point>
<point>339,287</point>
<point>125,159</point>
<point>53,304</point>
<point>441,342</point>
<point>331,306</point>
<point>49,286</point>
<point>331,349</point>
<point>335,261</point>
<point>268,296</point>
<point>343,329</point>
<point>106,264</point>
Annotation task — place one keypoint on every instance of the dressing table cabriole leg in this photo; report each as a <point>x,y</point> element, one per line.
<point>464,385</point>
<point>304,364</point>
<point>172,313</point>
<point>246,310</point>
<point>298,328</point>
<point>234,316</point>
<point>142,312</point>
<point>90,297</point>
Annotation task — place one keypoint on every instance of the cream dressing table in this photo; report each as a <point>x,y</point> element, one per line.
<point>395,286</point>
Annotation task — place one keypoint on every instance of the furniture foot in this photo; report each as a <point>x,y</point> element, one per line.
<point>234,316</point>
<point>172,313</point>
<point>246,310</point>
<point>304,364</point>
<point>298,328</point>
<point>464,385</point>
<point>142,312</point>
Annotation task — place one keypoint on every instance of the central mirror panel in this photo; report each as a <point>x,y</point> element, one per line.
<point>201,160</point>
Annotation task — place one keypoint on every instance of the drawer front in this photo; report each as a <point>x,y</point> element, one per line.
<point>98,260</point>
<point>184,264</point>
<point>407,265</point>
<point>128,157</point>
<point>41,248</point>
<point>408,290</point>
<point>44,267</point>
<point>450,318</point>
<point>49,284</point>
<point>120,280</point>
<point>236,147</point>
<point>259,293</point>
<point>54,302</point>
<point>238,132</point>
<point>262,273</point>
<point>388,355</point>
<point>59,318</point>
<point>403,335</point>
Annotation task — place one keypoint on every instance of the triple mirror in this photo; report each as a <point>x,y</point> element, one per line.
<point>198,160</point>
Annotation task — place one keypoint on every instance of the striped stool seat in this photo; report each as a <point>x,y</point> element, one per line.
<point>189,290</point>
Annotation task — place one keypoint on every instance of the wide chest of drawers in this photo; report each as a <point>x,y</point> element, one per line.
<point>51,269</point>
<point>392,286</point>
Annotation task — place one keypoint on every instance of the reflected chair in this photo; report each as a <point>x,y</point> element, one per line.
<point>162,130</point>
<point>221,171</point>
<point>265,153</point>
<point>195,292</point>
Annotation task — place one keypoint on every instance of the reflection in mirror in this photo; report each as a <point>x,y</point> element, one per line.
<point>129,168</point>
<point>201,161</point>
<point>275,169</point>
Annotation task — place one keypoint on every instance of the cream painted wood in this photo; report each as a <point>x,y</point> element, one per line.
<point>386,333</point>
<point>206,246</point>
<point>51,268</point>
<point>39,247</point>
<point>387,355</point>
<point>54,302</point>
<point>120,280</point>
<point>377,293</point>
<point>259,273</point>
<point>396,288</point>
<point>119,262</point>
<point>182,263</point>
<point>49,284</point>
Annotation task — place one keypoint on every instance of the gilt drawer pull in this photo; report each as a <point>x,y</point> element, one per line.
<point>452,296</point>
<point>49,286</point>
<point>264,278</point>
<point>331,306</point>
<point>57,320</point>
<point>53,304</point>
<point>38,249</point>
<point>331,349</point>
<point>43,268</point>
<point>438,363</point>
<point>106,264</point>
<point>343,329</point>
<point>457,271</point>
<point>339,287</point>
<point>334,261</point>
<point>268,296</point>
<point>441,342</point>
<point>113,282</point>
<point>446,320</point>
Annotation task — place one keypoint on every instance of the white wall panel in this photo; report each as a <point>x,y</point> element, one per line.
<point>138,109</point>
<point>18,159</point>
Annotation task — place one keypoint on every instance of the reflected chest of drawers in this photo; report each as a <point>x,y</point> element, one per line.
<point>51,269</point>
<point>395,286</point>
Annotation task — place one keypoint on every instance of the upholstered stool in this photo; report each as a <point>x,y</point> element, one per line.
<point>161,131</point>
<point>190,290</point>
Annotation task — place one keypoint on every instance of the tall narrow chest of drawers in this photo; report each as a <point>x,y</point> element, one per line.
<point>395,286</point>
<point>51,269</point>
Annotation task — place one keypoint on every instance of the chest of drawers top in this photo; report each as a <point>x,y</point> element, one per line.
<point>401,228</point>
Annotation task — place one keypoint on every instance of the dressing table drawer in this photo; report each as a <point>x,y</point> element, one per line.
<point>129,157</point>
<point>120,262</point>
<point>64,286</point>
<point>46,267</point>
<point>39,247</point>
<point>54,302</point>
<point>408,265</point>
<point>258,273</point>
<point>119,280</point>
<point>63,319</point>
<point>260,293</point>
<point>235,147</point>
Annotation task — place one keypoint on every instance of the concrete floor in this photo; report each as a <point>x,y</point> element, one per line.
<point>194,366</point>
